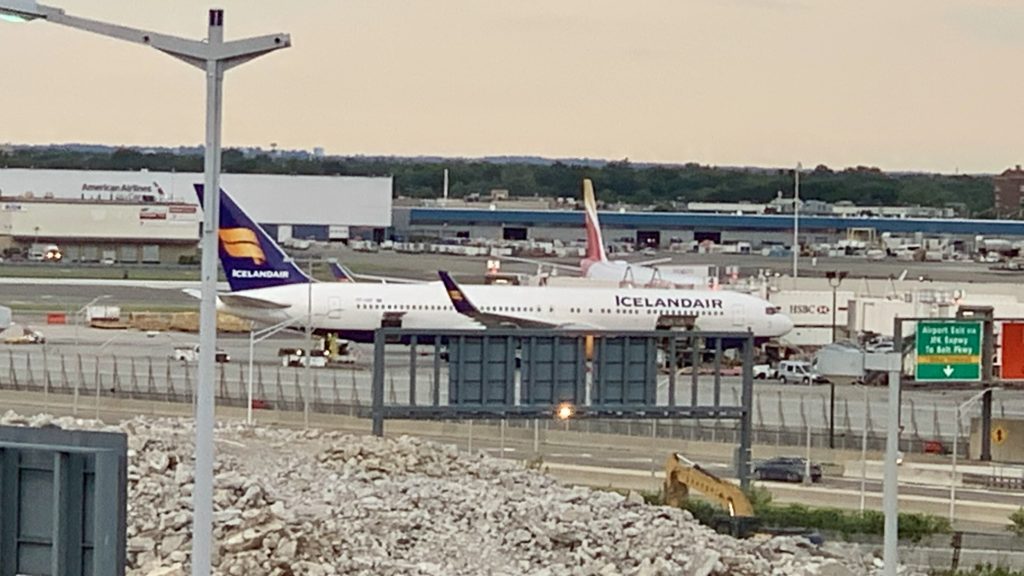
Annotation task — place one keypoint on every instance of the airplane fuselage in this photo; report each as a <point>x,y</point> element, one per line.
<point>356,310</point>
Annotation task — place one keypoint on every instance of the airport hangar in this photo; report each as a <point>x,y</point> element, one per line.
<point>154,217</point>
<point>660,229</point>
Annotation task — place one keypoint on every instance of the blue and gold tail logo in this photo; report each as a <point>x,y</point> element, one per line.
<point>242,243</point>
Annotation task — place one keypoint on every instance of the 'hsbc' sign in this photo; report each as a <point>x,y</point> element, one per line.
<point>809,309</point>
<point>813,308</point>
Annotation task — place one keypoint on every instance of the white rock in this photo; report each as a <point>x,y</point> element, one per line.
<point>172,570</point>
<point>325,503</point>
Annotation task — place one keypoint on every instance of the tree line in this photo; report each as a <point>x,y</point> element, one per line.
<point>662,187</point>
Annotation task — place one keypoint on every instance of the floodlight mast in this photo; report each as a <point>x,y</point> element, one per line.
<point>215,57</point>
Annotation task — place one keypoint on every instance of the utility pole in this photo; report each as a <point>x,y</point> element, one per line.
<point>309,346</point>
<point>796,221</point>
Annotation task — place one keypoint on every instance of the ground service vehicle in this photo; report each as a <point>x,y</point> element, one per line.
<point>297,357</point>
<point>328,350</point>
<point>798,372</point>
<point>28,336</point>
<point>45,253</point>
<point>191,354</point>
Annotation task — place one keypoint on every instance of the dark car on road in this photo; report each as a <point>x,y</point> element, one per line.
<point>786,469</point>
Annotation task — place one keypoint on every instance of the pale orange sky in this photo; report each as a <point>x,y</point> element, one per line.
<point>905,85</point>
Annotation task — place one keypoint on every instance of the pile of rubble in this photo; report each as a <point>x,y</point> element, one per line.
<point>319,503</point>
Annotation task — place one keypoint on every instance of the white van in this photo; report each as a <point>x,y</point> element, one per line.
<point>798,372</point>
<point>191,354</point>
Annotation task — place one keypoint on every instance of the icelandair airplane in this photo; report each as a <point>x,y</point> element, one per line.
<point>268,287</point>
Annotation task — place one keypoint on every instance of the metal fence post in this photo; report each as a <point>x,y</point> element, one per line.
<point>743,458</point>
<point>379,343</point>
<point>987,351</point>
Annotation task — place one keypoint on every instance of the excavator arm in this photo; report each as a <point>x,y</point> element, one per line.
<point>681,475</point>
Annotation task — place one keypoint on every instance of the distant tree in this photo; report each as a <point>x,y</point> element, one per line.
<point>617,181</point>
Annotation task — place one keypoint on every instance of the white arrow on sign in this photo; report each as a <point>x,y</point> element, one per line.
<point>948,370</point>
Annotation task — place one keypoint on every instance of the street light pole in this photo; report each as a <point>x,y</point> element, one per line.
<point>309,347</point>
<point>214,56</point>
<point>78,355</point>
<point>890,483</point>
<point>864,452</point>
<point>835,279</point>
<point>256,336</point>
<point>796,220</point>
<point>956,436</point>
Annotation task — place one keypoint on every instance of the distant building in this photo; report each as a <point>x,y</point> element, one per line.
<point>153,217</point>
<point>129,230</point>
<point>1009,189</point>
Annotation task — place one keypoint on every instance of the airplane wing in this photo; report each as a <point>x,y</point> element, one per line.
<point>386,279</point>
<point>654,262</point>
<point>566,267</point>
<point>342,273</point>
<point>240,301</point>
<point>465,307</point>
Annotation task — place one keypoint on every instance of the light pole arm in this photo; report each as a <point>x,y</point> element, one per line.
<point>241,51</point>
<point>194,52</point>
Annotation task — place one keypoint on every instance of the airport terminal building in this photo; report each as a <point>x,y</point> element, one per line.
<point>660,229</point>
<point>154,217</point>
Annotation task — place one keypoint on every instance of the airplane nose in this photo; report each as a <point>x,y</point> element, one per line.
<point>782,324</point>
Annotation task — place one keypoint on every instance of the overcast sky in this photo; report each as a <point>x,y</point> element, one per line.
<point>930,85</point>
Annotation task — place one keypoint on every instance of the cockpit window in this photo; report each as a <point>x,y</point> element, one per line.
<point>771,310</point>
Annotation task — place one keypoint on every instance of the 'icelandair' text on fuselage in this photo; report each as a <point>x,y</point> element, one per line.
<point>277,274</point>
<point>647,302</point>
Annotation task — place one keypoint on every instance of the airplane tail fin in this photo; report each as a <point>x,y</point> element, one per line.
<point>250,258</point>
<point>340,272</point>
<point>458,298</point>
<point>595,243</point>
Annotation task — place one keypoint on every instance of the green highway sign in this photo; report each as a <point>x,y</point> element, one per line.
<point>948,351</point>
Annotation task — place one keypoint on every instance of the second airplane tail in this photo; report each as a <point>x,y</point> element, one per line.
<point>595,243</point>
<point>340,272</point>
<point>250,258</point>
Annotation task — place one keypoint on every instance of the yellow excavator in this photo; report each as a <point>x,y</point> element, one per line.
<point>682,475</point>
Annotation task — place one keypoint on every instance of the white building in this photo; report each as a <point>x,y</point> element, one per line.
<point>153,216</point>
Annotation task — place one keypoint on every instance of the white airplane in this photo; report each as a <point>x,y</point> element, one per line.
<point>596,265</point>
<point>267,287</point>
